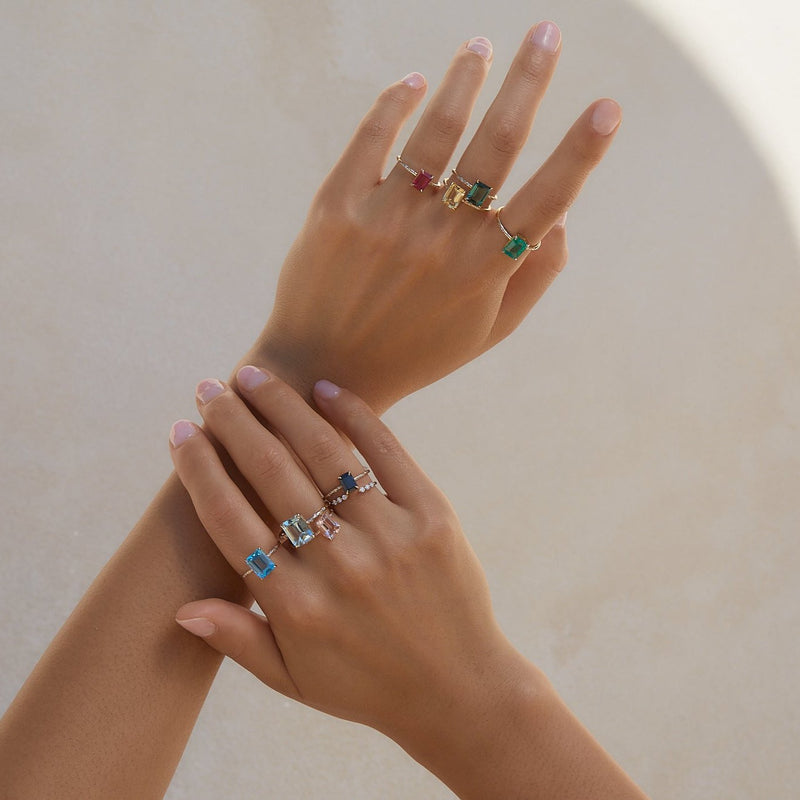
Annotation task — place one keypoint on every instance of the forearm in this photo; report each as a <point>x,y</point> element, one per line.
<point>110,706</point>
<point>519,740</point>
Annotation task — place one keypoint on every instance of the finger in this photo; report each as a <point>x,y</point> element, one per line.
<point>530,282</point>
<point>242,635</point>
<point>434,139</point>
<point>261,457</point>
<point>400,476</point>
<point>535,208</point>
<point>504,130</point>
<point>222,508</point>
<point>318,445</point>
<point>361,165</point>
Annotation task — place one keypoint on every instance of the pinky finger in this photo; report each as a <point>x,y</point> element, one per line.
<point>242,635</point>
<point>530,282</point>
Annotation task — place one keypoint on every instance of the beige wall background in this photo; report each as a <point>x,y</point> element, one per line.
<point>626,465</point>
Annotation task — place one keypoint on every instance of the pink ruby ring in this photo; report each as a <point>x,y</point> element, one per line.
<point>421,177</point>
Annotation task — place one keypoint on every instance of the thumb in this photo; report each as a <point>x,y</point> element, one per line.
<point>242,635</point>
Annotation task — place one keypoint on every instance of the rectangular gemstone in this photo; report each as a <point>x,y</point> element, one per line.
<point>422,180</point>
<point>477,194</point>
<point>297,531</point>
<point>453,196</point>
<point>348,482</point>
<point>260,563</point>
<point>516,247</point>
<point>327,526</point>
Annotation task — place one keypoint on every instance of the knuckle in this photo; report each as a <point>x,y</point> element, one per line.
<point>268,464</point>
<point>445,123</point>
<point>386,445</point>
<point>531,69</point>
<point>506,136</point>
<point>375,129</point>
<point>326,448</point>
<point>221,513</point>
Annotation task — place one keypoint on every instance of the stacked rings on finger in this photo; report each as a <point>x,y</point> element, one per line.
<point>348,483</point>
<point>475,194</point>
<point>517,245</point>
<point>296,530</point>
<point>421,177</point>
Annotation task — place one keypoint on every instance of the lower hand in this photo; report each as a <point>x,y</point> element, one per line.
<point>390,623</point>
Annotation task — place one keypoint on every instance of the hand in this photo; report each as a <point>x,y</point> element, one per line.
<point>386,289</point>
<point>390,623</point>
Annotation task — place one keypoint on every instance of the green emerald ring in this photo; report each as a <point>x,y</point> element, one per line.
<point>517,245</point>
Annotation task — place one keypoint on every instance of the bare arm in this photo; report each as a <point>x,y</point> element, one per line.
<point>109,708</point>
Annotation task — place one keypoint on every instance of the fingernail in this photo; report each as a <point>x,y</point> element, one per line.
<point>561,222</point>
<point>480,45</point>
<point>327,390</point>
<point>199,626</point>
<point>415,80</point>
<point>208,390</point>
<point>606,117</point>
<point>250,377</point>
<point>546,36</point>
<point>181,431</point>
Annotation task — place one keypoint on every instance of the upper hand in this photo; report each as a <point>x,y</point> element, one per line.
<point>386,289</point>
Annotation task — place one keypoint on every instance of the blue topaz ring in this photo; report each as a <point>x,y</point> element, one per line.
<point>476,194</point>
<point>421,177</point>
<point>517,245</point>
<point>261,563</point>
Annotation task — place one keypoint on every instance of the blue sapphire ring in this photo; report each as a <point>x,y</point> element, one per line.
<point>348,483</point>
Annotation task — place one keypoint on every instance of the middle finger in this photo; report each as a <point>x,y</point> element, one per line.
<point>504,130</point>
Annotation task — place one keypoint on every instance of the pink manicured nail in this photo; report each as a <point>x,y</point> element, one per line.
<point>561,222</point>
<point>208,390</point>
<point>327,390</point>
<point>199,626</point>
<point>415,80</point>
<point>181,431</point>
<point>606,117</point>
<point>546,36</point>
<point>250,377</point>
<point>480,45</point>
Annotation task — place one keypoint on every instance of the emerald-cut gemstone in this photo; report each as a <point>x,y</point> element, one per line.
<point>348,482</point>
<point>260,563</point>
<point>297,530</point>
<point>516,247</point>
<point>422,180</point>
<point>327,526</point>
<point>477,195</point>
<point>453,196</point>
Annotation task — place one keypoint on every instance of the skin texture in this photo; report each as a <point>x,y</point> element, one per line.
<point>109,707</point>
<point>342,629</point>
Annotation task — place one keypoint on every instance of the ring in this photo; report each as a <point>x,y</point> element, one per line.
<point>261,563</point>
<point>324,522</point>
<point>421,177</point>
<point>473,194</point>
<point>348,483</point>
<point>517,245</point>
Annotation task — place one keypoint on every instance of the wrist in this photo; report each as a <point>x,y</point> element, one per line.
<point>476,734</point>
<point>301,367</point>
